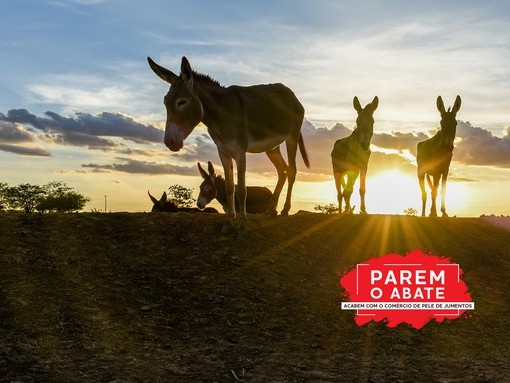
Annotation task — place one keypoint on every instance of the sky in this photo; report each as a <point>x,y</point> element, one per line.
<point>79,104</point>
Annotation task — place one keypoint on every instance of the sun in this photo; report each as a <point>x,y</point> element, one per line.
<point>392,192</point>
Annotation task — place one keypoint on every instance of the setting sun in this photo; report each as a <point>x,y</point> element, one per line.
<point>392,192</point>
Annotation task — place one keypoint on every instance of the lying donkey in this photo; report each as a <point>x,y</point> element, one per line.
<point>213,186</point>
<point>169,206</point>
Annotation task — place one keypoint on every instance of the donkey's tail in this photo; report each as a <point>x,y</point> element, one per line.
<point>304,153</point>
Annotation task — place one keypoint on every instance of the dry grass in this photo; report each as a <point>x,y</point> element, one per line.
<point>164,298</point>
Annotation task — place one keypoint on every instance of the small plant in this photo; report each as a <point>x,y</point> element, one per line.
<point>329,208</point>
<point>410,211</point>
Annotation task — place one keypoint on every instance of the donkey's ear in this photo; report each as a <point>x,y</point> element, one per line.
<point>163,73</point>
<point>440,105</point>
<point>186,72</point>
<point>202,171</point>
<point>154,200</point>
<point>163,197</point>
<point>210,167</point>
<point>374,104</point>
<point>356,104</point>
<point>456,106</point>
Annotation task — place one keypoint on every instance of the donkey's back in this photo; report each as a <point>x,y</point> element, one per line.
<point>270,113</point>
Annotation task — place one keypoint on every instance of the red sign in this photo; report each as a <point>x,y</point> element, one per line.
<point>414,289</point>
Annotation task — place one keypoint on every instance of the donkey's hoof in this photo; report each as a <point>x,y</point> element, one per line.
<point>285,213</point>
<point>363,212</point>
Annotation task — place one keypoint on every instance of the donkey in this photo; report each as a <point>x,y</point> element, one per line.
<point>213,186</point>
<point>434,156</point>
<point>168,206</point>
<point>350,156</point>
<point>240,120</point>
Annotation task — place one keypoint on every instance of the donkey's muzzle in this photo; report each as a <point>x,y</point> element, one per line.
<point>173,145</point>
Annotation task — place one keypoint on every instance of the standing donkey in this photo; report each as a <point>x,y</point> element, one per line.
<point>434,156</point>
<point>350,156</point>
<point>239,119</point>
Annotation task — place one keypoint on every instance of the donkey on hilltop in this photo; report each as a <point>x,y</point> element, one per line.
<point>350,156</point>
<point>239,119</point>
<point>434,156</point>
<point>213,186</point>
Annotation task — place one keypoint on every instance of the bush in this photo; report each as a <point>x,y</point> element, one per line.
<point>410,211</point>
<point>329,208</point>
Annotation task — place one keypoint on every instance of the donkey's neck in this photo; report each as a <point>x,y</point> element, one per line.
<point>221,191</point>
<point>217,103</point>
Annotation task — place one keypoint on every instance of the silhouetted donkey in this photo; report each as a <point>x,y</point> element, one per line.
<point>168,206</point>
<point>213,186</point>
<point>240,120</point>
<point>434,156</point>
<point>350,156</point>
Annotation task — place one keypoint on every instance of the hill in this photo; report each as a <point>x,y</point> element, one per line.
<point>164,298</point>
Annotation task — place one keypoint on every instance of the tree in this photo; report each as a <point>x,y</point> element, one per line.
<point>329,208</point>
<point>54,196</point>
<point>3,196</point>
<point>182,196</point>
<point>61,198</point>
<point>24,196</point>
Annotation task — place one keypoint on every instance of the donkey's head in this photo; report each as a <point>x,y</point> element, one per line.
<point>183,106</point>
<point>208,190</point>
<point>365,121</point>
<point>163,205</point>
<point>448,119</point>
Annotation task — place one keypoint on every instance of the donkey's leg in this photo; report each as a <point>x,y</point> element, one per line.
<point>230,188</point>
<point>421,180</point>
<point>362,190</point>
<point>435,185</point>
<point>241,187</point>
<point>291,173</point>
<point>338,185</point>
<point>281,167</point>
<point>349,187</point>
<point>443,194</point>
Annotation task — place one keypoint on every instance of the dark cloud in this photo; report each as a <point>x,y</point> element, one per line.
<point>203,149</point>
<point>143,167</point>
<point>399,141</point>
<point>13,133</point>
<point>479,146</point>
<point>85,129</point>
<point>14,139</point>
<point>25,150</point>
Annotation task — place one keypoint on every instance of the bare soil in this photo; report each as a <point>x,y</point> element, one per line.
<point>126,297</point>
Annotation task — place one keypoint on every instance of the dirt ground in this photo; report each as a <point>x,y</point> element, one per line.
<point>126,297</point>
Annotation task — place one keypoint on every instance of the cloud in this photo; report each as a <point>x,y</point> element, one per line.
<point>143,167</point>
<point>11,132</point>
<point>25,151</point>
<point>85,129</point>
<point>399,141</point>
<point>478,146</point>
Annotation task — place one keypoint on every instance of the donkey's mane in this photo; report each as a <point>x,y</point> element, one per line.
<point>205,77</point>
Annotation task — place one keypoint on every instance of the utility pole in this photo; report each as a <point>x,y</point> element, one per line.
<point>105,204</point>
